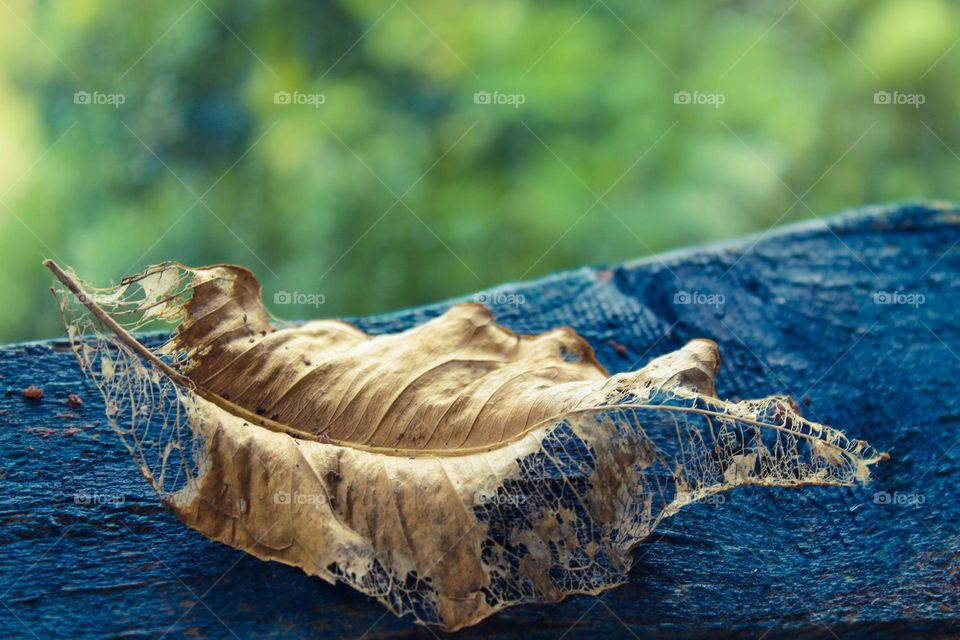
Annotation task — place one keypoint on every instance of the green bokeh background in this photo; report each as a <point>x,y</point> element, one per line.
<point>599,164</point>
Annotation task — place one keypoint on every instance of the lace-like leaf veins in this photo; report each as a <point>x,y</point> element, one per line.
<point>448,471</point>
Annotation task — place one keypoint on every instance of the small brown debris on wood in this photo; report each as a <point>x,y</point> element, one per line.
<point>619,348</point>
<point>605,275</point>
<point>43,432</point>
<point>32,393</point>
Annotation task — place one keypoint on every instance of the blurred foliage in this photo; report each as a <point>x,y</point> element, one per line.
<point>201,164</point>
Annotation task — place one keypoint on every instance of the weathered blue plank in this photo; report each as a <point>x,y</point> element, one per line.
<point>799,314</point>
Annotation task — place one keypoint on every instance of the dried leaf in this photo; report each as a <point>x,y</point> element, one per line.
<point>450,470</point>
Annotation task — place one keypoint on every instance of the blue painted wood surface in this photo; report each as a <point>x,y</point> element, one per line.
<point>857,318</point>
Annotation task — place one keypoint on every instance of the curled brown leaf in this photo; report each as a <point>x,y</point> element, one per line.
<point>449,470</point>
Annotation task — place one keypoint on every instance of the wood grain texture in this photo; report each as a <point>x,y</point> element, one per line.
<point>87,551</point>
